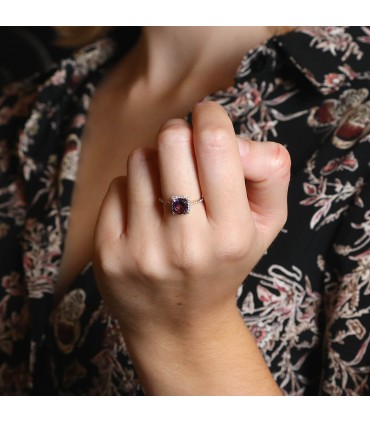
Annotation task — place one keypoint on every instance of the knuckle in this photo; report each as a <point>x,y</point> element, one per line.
<point>117,184</point>
<point>141,154</point>
<point>173,132</point>
<point>280,161</point>
<point>214,138</point>
<point>104,261</point>
<point>148,266</point>
<point>187,257</point>
<point>232,247</point>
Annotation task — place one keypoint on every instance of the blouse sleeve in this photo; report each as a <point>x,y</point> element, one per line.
<point>346,365</point>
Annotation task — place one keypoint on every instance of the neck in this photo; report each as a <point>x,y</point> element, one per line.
<point>166,59</point>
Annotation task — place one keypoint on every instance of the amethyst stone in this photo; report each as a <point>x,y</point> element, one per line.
<point>180,205</point>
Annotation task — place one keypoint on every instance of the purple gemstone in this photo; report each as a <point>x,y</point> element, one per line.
<point>180,205</point>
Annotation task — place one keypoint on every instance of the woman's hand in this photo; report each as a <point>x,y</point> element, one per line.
<point>171,280</point>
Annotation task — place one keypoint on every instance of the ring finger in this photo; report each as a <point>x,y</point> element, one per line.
<point>178,173</point>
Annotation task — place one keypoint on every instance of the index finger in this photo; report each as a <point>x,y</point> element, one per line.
<point>219,165</point>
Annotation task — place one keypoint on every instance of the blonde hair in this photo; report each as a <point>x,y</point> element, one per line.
<point>78,36</point>
<point>280,30</point>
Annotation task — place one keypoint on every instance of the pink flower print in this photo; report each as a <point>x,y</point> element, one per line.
<point>11,284</point>
<point>356,328</point>
<point>258,332</point>
<point>334,81</point>
<point>348,162</point>
<point>59,77</point>
<point>365,38</point>
<point>354,127</point>
<point>5,115</point>
<point>325,114</point>
<point>78,121</point>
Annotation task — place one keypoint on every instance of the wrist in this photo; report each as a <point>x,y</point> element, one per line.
<point>182,326</point>
<point>213,357</point>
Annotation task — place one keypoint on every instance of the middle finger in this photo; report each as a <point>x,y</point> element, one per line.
<point>220,169</point>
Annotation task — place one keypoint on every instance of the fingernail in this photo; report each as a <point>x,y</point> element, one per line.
<point>243,147</point>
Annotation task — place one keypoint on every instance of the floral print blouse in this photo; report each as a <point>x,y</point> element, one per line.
<point>307,302</point>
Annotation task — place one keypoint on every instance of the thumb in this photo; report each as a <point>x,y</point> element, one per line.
<point>266,168</point>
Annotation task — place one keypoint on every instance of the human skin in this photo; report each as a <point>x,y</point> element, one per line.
<point>170,280</point>
<point>162,77</point>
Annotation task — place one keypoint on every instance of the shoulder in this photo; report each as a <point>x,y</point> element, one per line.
<point>18,98</point>
<point>37,110</point>
<point>331,57</point>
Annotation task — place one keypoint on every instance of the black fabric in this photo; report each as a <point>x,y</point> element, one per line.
<point>307,302</point>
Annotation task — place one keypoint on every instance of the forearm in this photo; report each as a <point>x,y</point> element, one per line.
<point>171,280</point>
<point>218,358</point>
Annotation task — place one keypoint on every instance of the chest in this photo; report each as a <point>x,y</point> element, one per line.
<point>117,124</point>
<point>103,157</point>
<point>106,145</point>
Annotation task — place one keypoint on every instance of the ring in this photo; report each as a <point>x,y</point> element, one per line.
<point>180,204</point>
